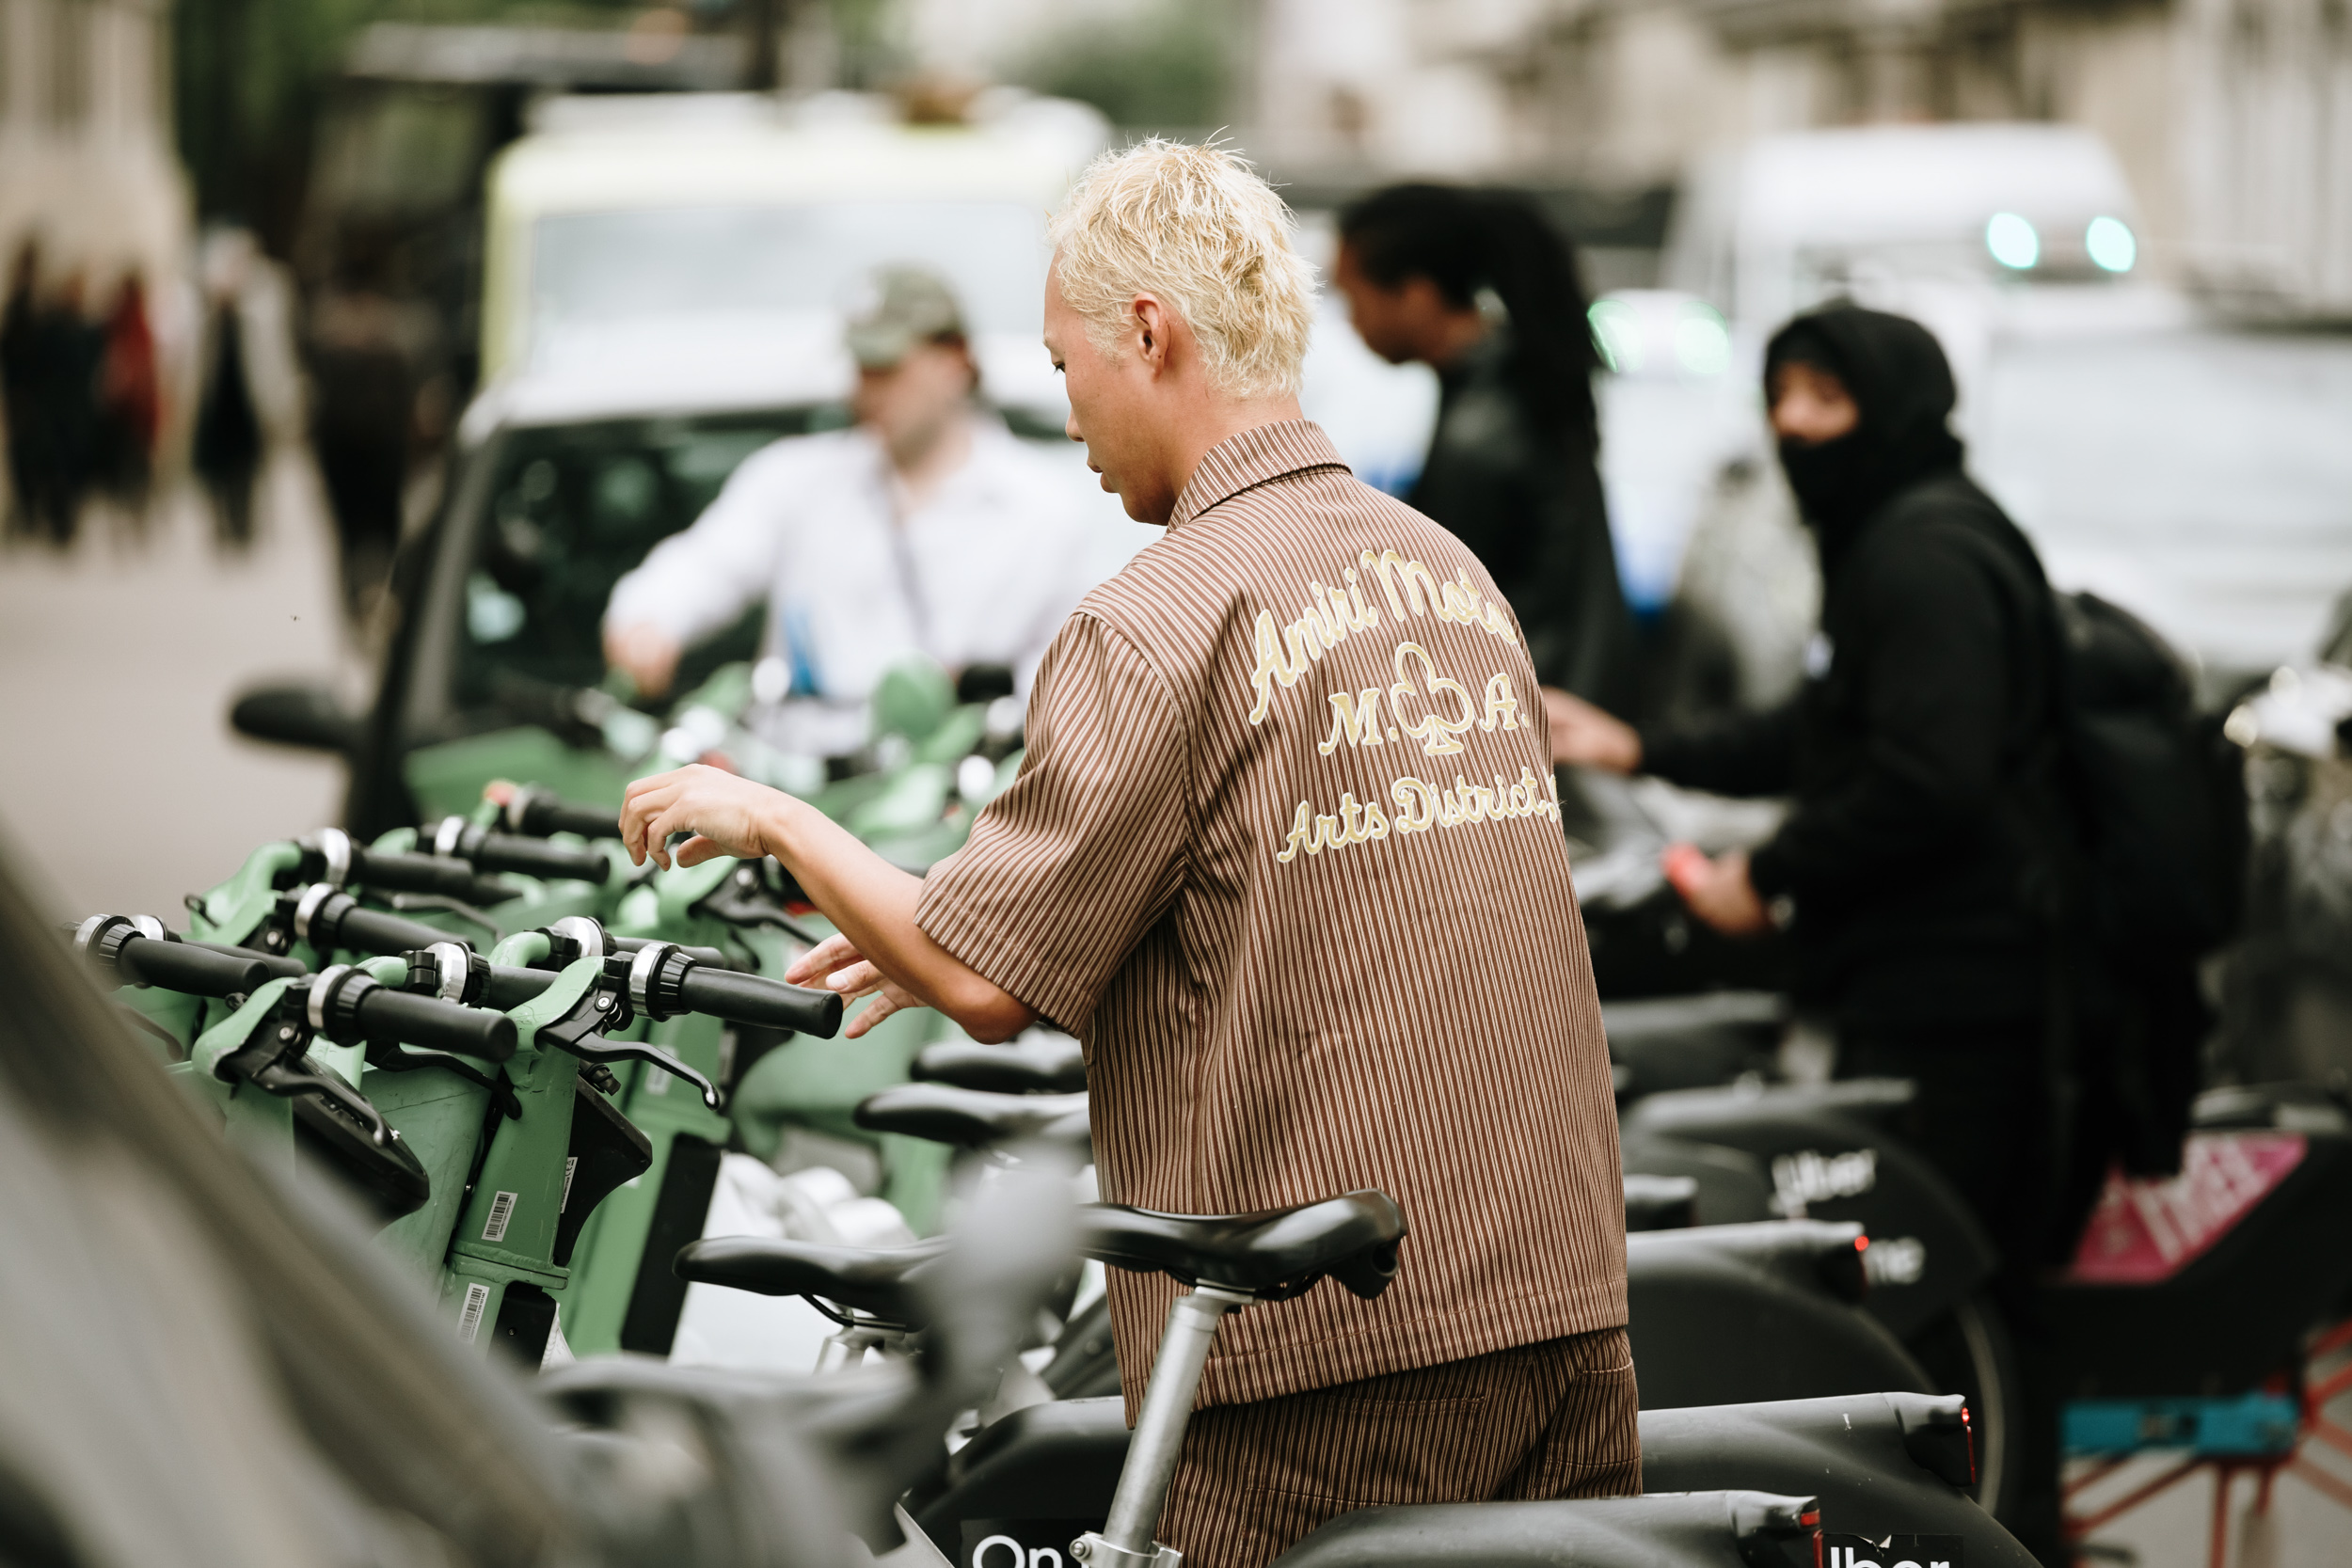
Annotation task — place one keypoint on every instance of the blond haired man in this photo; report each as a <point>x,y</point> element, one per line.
<point>1285,853</point>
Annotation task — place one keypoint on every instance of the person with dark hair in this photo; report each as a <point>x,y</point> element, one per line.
<point>129,400</point>
<point>1921,753</point>
<point>21,390</point>
<point>229,442</point>
<point>1480,288</point>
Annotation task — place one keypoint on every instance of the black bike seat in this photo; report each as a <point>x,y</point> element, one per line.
<point>1037,1063</point>
<point>971,1118</point>
<point>879,1282</point>
<point>1272,1255</point>
<point>1659,1202</point>
<point>1821,1254</point>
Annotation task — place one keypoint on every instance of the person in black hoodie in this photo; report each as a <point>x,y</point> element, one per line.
<point>1917,754</point>
<point>1479,286</point>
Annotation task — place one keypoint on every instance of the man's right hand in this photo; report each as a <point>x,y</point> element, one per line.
<point>647,654</point>
<point>1583,736</point>
<point>836,964</point>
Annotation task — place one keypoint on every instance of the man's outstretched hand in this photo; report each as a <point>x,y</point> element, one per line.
<point>727,814</point>
<point>837,965</point>
<point>1583,736</point>
<point>1717,890</point>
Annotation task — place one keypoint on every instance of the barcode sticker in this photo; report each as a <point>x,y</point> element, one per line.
<point>657,1081</point>
<point>564,1204</point>
<point>502,1209</point>
<point>469,1315</point>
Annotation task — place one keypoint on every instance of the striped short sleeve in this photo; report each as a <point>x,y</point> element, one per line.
<point>1068,868</point>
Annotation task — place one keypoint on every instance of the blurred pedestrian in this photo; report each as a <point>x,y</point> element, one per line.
<point>19,386</point>
<point>1921,753</point>
<point>1479,286</point>
<point>228,446</point>
<point>926,531</point>
<point>69,349</point>
<point>129,399</point>
<point>365,389</point>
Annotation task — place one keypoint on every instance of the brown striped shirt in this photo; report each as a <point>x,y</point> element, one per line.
<point>1285,854</point>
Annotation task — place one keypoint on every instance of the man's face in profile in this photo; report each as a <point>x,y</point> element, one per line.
<point>1109,407</point>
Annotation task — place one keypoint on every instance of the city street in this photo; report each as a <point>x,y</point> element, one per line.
<point>121,786</point>
<point>1797,558</point>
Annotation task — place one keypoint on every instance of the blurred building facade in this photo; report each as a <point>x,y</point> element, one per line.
<point>2232,118</point>
<point>86,165</point>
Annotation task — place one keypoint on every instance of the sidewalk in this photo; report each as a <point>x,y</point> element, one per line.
<point>121,786</point>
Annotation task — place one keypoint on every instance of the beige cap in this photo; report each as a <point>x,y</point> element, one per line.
<point>894,309</point>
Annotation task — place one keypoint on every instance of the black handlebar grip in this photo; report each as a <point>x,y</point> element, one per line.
<point>373,931</point>
<point>435,1025</point>
<point>279,966</point>
<point>755,999</point>
<point>537,857</point>
<point>512,988</point>
<point>451,878</point>
<point>534,812</point>
<point>190,970</point>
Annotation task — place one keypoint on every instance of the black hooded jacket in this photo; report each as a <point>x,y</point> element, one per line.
<point>1529,505</point>
<point>1920,740</point>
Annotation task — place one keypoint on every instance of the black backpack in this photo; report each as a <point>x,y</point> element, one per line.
<point>2155,802</point>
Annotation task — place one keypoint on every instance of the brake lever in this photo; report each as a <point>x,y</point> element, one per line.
<point>605,1006</point>
<point>267,1071</point>
<point>741,900</point>
<point>409,903</point>
<point>386,1057</point>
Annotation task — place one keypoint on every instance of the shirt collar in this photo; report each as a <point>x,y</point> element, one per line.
<point>1242,462</point>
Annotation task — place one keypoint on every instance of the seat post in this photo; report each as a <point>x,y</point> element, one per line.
<point>1127,1538</point>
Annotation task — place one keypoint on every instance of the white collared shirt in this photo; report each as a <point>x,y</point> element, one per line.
<point>984,570</point>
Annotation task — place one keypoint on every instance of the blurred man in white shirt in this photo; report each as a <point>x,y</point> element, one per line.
<point>927,529</point>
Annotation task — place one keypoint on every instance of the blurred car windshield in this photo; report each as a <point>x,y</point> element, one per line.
<point>2201,479</point>
<point>599,266</point>
<point>569,509</point>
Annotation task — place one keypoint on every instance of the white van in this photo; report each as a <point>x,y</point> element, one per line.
<point>702,247</point>
<point>1781,223</point>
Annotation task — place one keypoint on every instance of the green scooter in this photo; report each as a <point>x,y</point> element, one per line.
<point>538,1158</point>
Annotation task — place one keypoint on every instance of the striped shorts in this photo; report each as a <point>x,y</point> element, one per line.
<point>1548,1420</point>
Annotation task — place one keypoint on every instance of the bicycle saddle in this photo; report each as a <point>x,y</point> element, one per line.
<point>1813,1254</point>
<point>970,1119</point>
<point>1660,1202</point>
<point>1272,1255</point>
<point>879,1282</point>
<point>1039,1063</point>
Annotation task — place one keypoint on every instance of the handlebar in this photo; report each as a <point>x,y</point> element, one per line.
<point>330,856</point>
<point>328,919</point>
<point>140,951</point>
<point>279,966</point>
<point>540,812</point>
<point>344,1004</point>
<point>176,966</point>
<point>664,979</point>
<point>453,837</point>
<point>757,1000</point>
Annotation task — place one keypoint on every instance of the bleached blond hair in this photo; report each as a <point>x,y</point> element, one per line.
<point>1196,228</point>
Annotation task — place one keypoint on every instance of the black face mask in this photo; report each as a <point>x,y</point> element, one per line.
<point>1902,390</point>
<point>1832,480</point>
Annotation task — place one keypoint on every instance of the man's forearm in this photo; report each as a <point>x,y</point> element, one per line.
<point>872,903</point>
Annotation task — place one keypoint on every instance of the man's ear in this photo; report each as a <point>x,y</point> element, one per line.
<point>1151,331</point>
